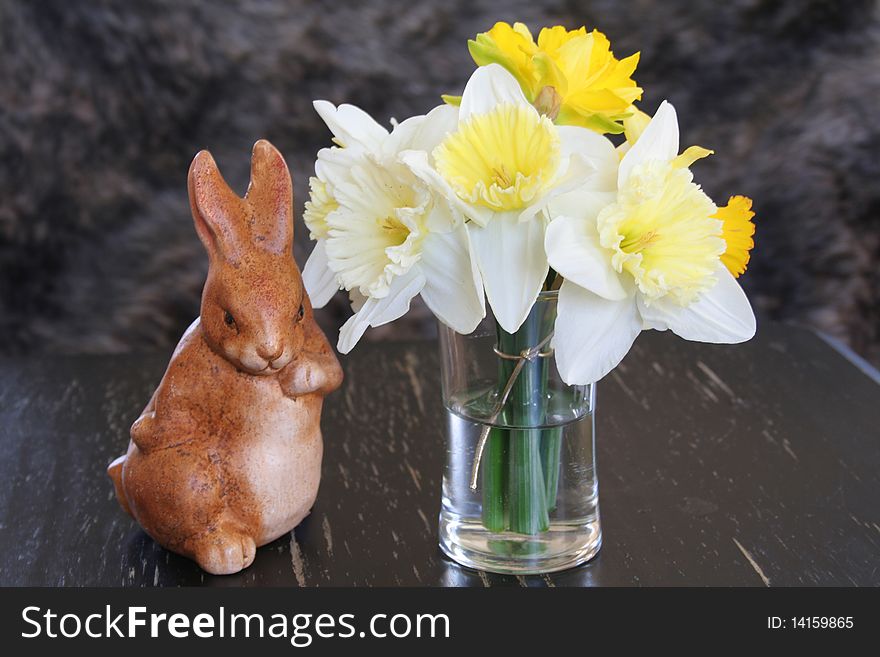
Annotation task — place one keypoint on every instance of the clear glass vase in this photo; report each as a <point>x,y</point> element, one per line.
<point>519,484</point>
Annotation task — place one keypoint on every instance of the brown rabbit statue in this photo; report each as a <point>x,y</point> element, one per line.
<point>227,454</point>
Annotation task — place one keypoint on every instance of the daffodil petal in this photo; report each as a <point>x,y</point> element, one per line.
<point>376,312</point>
<point>659,141</point>
<point>582,203</point>
<point>488,87</point>
<point>453,290</point>
<point>592,334</point>
<point>351,125</point>
<point>402,136</point>
<point>438,123</point>
<point>579,176</point>
<point>334,163</point>
<point>722,315</point>
<point>573,250</point>
<point>691,155</point>
<point>442,218</point>
<point>595,150</point>
<point>574,178</point>
<point>510,255</point>
<point>634,125</point>
<point>421,133</point>
<point>319,280</point>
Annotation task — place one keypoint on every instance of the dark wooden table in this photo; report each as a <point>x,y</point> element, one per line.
<point>752,465</point>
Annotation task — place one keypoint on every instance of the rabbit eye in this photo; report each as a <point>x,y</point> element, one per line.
<point>300,313</point>
<point>229,319</point>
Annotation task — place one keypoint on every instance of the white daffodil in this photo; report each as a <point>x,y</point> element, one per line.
<point>382,234</point>
<point>500,167</point>
<point>648,257</point>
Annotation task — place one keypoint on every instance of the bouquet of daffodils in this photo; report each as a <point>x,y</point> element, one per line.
<point>515,188</point>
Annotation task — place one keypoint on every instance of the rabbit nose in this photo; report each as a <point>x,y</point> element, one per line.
<point>270,351</point>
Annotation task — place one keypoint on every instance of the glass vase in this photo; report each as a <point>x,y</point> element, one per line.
<point>519,484</point>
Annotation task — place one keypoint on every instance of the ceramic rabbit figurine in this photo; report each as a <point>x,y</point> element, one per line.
<point>227,454</point>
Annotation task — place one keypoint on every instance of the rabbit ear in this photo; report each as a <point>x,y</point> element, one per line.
<point>270,195</point>
<point>215,207</point>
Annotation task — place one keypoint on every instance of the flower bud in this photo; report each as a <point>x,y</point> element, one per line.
<point>548,102</point>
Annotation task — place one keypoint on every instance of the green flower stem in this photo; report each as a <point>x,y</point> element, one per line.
<point>551,453</point>
<point>551,440</point>
<point>526,490</point>
<point>528,504</point>
<point>495,456</point>
<point>494,472</point>
<point>520,467</point>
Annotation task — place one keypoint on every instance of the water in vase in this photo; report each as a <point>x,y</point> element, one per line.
<point>535,508</point>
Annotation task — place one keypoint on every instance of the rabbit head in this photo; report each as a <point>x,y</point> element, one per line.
<point>253,305</point>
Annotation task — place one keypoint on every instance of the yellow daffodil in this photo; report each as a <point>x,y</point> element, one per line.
<point>738,230</point>
<point>569,75</point>
<point>648,257</point>
<point>500,167</point>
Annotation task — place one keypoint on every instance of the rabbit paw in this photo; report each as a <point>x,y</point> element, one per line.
<point>311,373</point>
<point>224,551</point>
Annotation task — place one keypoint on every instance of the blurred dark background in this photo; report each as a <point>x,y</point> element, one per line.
<point>103,104</point>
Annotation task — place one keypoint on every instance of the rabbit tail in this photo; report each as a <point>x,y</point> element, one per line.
<point>115,472</point>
